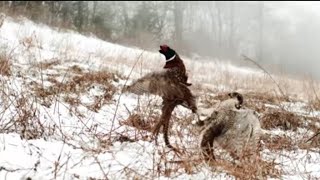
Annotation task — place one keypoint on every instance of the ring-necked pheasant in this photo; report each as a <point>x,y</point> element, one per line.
<point>171,84</point>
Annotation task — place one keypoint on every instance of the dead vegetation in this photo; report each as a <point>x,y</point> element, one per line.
<point>77,84</point>
<point>281,119</point>
<point>255,169</point>
<point>279,143</point>
<point>136,121</point>
<point>312,142</point>
<point>26,121</point>
<point>5,65</point>
<point>48,64</point>
<point>315,104</point>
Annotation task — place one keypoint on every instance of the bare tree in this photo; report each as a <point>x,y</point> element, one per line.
<point>178,19</point>
<point>231,28</point>
<point>261,23</point>
<point>79,17</point>
<point>94,11</point>
<point>218,7</point>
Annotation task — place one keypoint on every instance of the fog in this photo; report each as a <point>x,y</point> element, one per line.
<point>279,35</point>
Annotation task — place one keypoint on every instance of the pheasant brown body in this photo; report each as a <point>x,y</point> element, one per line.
<point>172,93</point>
<point>177,70</point>
<point>171,84</point>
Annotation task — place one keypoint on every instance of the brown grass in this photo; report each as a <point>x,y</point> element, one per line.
<point>281,119</point>
<point>254,169</point>
<point>79,84</point>
<point>48,64</point>
<point>279,143</point>
<point>27,122</point>
<point>315,104</point>
<point>76,69</point>
<point>5,66</point>
<point>135,120</point>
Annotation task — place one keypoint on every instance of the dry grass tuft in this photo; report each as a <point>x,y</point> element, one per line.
<point>82,82</point>
<point>48,64</point>
<point>315,104</point>
<point>76,69</point>
<point>76,85</point>
<point>5,66</point>
<point>279,143</point>
<point>254,169</point>
<point>137,121</point>
<point>26,121</point>
<point>281,119</point>
<point>311,142</point>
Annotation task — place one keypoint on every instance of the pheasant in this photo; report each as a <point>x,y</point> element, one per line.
<point>174,91</point>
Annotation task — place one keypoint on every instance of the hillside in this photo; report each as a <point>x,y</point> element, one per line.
<point>63,115</point>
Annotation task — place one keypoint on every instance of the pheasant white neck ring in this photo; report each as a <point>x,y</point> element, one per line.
<point>171,58</point>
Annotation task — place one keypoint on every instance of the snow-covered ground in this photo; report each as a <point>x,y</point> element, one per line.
<point>74,134</point>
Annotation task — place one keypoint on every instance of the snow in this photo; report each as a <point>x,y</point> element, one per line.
<point>298,164</point>
<point>68,147</point>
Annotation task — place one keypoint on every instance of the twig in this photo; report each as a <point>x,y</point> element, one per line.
<point>315,93</point>
<point>12,170</point>
<point>313,137</point>
<point>118,101</point>
<point>127,110</point>
<point>264,70</point>
<point>101,168</point>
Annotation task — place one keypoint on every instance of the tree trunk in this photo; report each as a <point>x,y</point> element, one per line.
<point>219,28</point>
<point>14,5</point>
<point>64,12</point>
<point>260,41</point>
<point>231,30</point>
<point>213,22</point>
<point>52,11</point>
<point>80,15</point>
<point>85,14</point>
<point>94,11</point>
<point>178,19</point>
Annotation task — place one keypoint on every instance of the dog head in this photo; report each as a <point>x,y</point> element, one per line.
<point>238,96</point>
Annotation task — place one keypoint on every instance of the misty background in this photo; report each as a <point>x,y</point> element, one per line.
<point>282,36</point>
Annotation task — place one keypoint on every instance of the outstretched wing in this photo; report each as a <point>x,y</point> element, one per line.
<point>159,83</point>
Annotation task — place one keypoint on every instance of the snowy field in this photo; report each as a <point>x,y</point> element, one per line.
<point>63,115</point>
